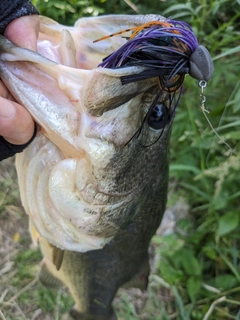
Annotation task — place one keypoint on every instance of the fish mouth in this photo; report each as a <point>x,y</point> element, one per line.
<point>70,178</point>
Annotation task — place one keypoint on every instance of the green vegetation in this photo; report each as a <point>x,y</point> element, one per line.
<point>199,268</point>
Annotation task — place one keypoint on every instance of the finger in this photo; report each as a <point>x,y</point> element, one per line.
<point>16,124</point>
<point>24,31</point>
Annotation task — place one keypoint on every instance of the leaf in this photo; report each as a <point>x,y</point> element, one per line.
<point>229,125</point>
<point>229,264</point>
<point>183,167</point>
<point>227,223</point>
<point>233,135</point>
<point>225,281</point>
<point>193,287</point>
<point>169,274</point>
<point>168,244</point>
<point>190,263</point>
<point>178,7</point>
<point>227,52</point>
<point>196,190</point>
<point>210,252</point>
<point>16,237</point>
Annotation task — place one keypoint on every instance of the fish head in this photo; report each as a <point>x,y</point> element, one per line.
<point>101,152</point>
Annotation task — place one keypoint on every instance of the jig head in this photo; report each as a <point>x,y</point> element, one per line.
<point>201,65</point>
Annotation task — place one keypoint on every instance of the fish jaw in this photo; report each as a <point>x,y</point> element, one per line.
<point>80,180</point>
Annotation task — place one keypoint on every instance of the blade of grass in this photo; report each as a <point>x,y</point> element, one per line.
<point>183,167</point>
<point>180,304</point>
<point>201,155</point>
<point>228,263</point>
<point>2,315</point>
<point>227,53</point>
<point>197,191</point>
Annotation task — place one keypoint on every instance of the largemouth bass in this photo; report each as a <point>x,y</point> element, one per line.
<point>95,192</point>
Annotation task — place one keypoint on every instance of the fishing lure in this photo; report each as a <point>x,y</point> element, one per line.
<point>166,49</point>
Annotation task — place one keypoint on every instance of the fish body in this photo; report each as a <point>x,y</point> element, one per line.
<point>95,192</point>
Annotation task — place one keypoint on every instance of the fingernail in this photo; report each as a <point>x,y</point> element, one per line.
<point>7,109</point>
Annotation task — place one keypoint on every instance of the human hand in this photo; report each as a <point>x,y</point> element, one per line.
<point>16,124</point>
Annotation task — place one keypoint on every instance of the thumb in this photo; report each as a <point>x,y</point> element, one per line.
<point>24,31</point>
<point>16,124</point>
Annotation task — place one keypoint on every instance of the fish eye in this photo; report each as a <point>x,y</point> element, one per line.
<point>158,117</point>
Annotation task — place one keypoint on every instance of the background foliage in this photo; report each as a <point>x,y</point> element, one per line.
<point>200,262</point>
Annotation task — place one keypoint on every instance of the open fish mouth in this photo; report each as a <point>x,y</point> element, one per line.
<point>84,173</point>
<point>69,178</point>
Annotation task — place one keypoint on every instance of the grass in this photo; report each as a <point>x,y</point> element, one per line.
<point>198,274</point>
